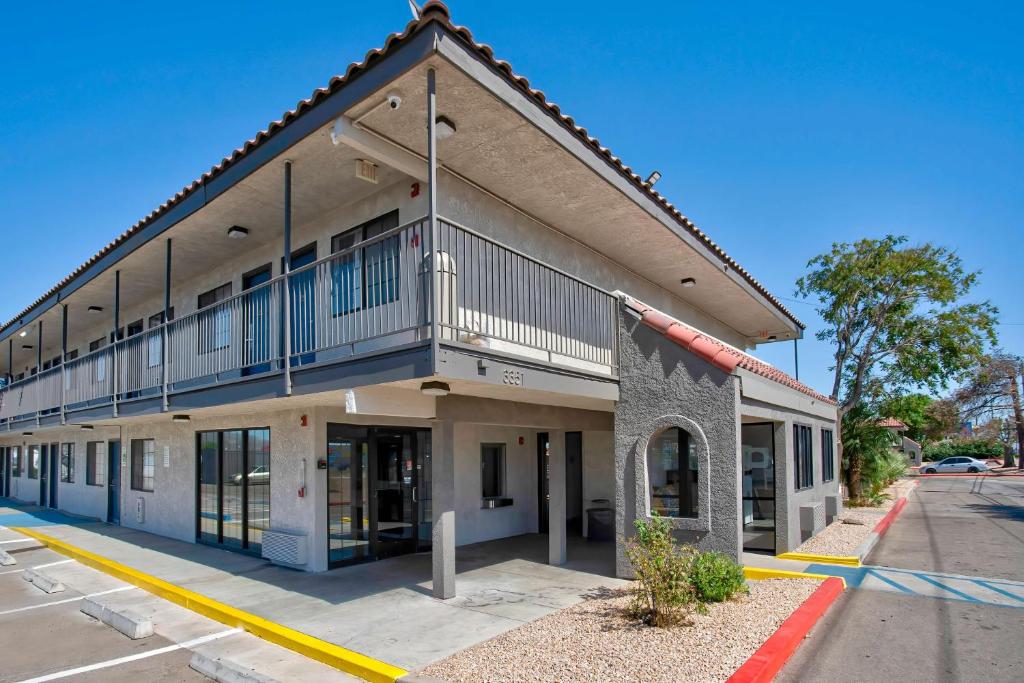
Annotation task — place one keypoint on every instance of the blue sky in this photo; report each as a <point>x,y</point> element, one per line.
<point>779,127</point>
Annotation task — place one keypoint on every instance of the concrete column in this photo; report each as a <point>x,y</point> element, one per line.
<point>556,497</point>
<point>442,473</point>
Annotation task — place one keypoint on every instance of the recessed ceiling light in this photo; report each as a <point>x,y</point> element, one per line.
<point>445,128</point>
<point>237,232</point>
<point>435,388</point>
<point>180,418</point>
<point>688,282</point>
<point>95,309</point>
<point>27,346</point>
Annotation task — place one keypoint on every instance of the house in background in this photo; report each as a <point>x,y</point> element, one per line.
<point>901,442</point>
<point>424,309</point>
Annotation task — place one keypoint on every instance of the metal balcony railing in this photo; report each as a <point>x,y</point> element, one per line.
<point>373,295</point>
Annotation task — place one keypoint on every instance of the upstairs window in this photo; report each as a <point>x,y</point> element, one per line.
<point>366,277</point>
<point>214,326</point>
<point>672,473</point>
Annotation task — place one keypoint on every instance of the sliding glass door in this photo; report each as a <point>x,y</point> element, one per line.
<point>233,488</point>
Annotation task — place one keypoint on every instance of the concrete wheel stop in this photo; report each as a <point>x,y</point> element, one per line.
<point>124,621</point>
<point>43,582</point>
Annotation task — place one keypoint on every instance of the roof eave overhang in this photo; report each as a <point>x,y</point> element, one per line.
<point>481,70</point>
<point>412,51</point>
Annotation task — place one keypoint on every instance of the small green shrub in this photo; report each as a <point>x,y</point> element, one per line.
<point>663,594</point>
<point>716,577</point>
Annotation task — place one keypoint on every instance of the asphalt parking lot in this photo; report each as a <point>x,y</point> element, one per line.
<point>959,526</point>
<point>46,637</point>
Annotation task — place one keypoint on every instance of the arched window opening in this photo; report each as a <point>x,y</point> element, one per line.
<point>672,473</point>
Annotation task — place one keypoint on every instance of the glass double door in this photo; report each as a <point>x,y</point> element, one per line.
<point>378,492</point>
<point>234,488</point>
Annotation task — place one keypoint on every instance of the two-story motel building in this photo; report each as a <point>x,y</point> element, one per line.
<point>424,309</point>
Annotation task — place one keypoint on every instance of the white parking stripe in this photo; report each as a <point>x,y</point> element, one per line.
<point>64,602</point>
<point>132,658</point>
<point>38,566</point>
<point>21,540</point>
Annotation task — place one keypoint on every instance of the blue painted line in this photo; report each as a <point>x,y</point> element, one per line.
<point>958,577</point>
<point>878,575</point>
<point>986,584</point>
<point>852,575</point>
<point>965,596</point>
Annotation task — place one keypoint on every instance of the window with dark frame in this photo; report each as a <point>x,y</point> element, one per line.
<point>803,457</point>
<point>67,463</point>
<point>95,463</point>
<point>16,464</point>
<point>214,326</point>
<point>143,464</point>
<point>369,276</point>
<point>828,460</point>
<point>33,462</point>
<point>492,470</point>
<point>672,473</point>
<point>135,328</point>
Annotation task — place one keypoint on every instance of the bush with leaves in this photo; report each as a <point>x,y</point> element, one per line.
<point>972,448</point>
<point>716,577</point>
<point>663,594</point>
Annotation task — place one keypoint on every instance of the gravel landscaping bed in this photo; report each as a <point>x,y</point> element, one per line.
<point>843,535</point>
<point>595,641</point>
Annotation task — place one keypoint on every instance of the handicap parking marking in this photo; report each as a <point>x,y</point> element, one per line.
<point>979,590</point>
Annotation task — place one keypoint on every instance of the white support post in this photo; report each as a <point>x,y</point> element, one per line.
<point>556,498</point>
<point>442,473</point>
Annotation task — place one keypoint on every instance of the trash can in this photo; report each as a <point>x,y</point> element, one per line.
<point>601,521</point>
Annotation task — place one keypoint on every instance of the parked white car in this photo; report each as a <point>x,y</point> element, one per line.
<point>955,464</point>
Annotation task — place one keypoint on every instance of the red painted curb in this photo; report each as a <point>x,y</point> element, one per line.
<point>883,524</point>
<point>776,651</point>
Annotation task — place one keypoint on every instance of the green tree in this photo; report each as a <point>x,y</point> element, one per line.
<point>993,391</point>
<point>911,410</point>
<point>898,319</point>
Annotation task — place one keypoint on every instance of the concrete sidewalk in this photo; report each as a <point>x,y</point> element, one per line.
<point>383,609</point>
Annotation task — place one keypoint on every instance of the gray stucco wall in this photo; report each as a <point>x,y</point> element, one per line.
<point>661,385</point>
<point>788,534</point>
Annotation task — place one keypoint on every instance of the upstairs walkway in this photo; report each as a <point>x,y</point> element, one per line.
<point>382,609</point>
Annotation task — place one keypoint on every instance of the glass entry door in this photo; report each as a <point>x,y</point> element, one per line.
<point>376,503</point>
<point>233,488</point>
<point>759,487</point>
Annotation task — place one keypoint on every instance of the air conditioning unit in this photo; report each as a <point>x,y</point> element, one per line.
<point>285,547</point>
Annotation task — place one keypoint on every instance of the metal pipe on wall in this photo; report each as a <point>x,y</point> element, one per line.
<point>287,267</point>
<point>164,339</point>
<point>117,321</point>
<point>435,301</point>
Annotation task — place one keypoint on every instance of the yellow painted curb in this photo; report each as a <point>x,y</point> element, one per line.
<point>845,560</point>
<point>314,648</point>
<point>758,573</point>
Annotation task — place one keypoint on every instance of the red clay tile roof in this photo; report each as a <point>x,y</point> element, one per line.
<point>715,351</point>
<point>432,11</point>
<point>892,422</point>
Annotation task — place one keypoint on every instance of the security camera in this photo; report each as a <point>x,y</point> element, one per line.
<point>394,101</point>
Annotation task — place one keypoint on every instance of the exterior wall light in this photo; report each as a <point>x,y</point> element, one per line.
<point>445,128</point>
<point>23,333</point>
<point>87,428</point>
<point>688,282</point>
<point>180,418</point>
<point>653,178</point>
<point>435,389</point>
<point>237,232</point>
<point>95,309</point>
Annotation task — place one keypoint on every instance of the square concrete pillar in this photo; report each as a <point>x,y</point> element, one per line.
<point>556,497</point>
<point>442,473</point>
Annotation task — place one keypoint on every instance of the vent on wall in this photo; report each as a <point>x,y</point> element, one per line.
<point>285,547</point>
<point>366,170</point>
